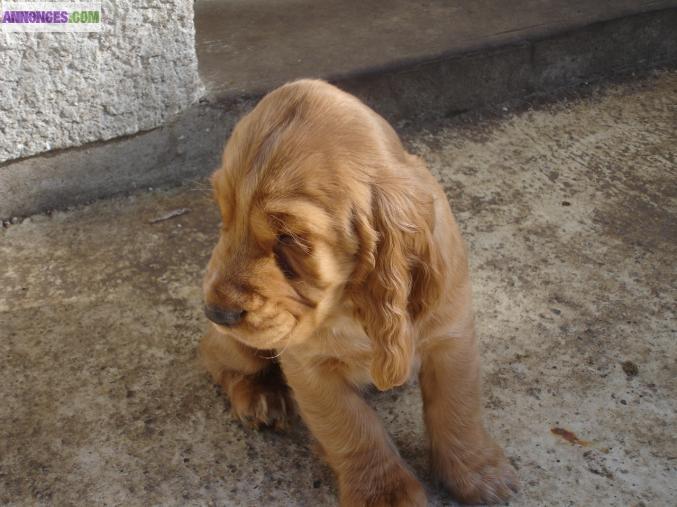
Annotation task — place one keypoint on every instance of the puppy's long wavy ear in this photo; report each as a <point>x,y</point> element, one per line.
<point>396,279</point>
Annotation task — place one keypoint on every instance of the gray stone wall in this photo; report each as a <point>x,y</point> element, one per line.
<point>59,90</point>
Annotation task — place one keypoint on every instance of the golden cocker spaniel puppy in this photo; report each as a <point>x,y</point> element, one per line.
<point>339,265</point>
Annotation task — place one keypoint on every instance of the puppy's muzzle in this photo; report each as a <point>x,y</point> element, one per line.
<point>224,316</point>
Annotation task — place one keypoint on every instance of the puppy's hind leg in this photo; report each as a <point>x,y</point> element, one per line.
<point>258,393</point>
<point>464,457</point>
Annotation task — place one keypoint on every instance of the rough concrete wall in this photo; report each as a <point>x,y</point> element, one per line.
<point>66,89</point>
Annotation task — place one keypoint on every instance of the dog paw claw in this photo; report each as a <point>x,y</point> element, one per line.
<point>260,403</point>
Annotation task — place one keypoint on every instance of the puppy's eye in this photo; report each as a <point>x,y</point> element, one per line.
<point>285,239</point>
<point>281,257</point>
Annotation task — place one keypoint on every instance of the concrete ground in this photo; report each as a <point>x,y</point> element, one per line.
<point>406,59</point>
<point>569,210</point>
<point>256,45</point>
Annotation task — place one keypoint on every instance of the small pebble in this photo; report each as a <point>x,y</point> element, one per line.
<point>630,368</point>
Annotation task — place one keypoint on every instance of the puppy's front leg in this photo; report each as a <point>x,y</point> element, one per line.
<point>257,390</point>
<point>370,472</point>
<point>464,457</point>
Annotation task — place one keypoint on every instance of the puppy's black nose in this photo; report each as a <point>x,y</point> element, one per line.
<point>224,316</point>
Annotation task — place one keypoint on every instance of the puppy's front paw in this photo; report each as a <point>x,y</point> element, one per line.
<point>398,488</point>
<point>262,401</point>
<point>476,475</point>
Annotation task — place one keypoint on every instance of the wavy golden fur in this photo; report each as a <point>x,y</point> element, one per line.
<point>340,265</point>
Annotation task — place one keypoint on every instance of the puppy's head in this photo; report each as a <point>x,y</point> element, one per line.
<point>320,213</point>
